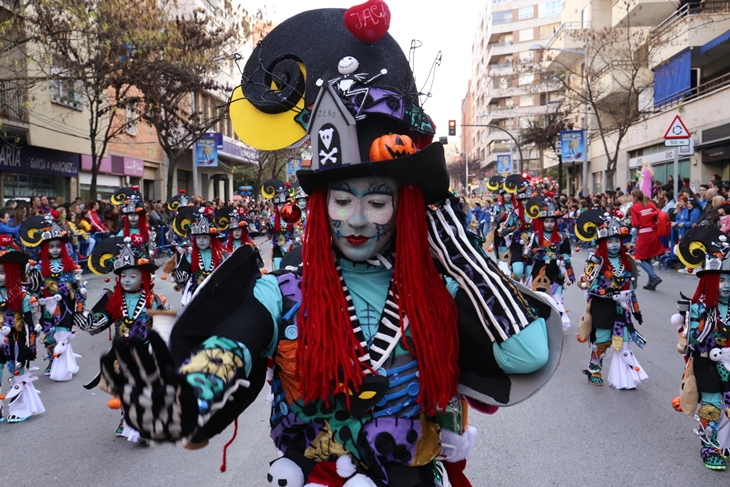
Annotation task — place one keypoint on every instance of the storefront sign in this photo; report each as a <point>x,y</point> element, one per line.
<point>655,158</point>
<point>133,167</point>
<point>206,151</point>
<point>37,160</point>
<point>504,163</point>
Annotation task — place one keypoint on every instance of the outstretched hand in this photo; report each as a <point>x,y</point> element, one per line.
<point>157,401</point>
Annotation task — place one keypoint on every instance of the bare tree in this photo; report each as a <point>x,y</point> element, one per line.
<point>271,164</point>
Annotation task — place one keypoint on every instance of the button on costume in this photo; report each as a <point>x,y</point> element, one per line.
<point>376,348</point>
<point>704,330</point>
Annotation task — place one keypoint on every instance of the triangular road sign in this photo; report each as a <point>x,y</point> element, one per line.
<point>677,130</point>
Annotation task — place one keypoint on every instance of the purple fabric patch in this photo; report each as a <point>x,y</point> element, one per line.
<point>293,434</point>
<point>289,286</point>
<point>391,440</point>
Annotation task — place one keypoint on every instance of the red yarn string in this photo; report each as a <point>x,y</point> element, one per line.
<point>709,288</point>
<point>13,287</point>
<point>68,263</point>
<point>424,299</point>
<point>327,345</point>
<point>224,465</point>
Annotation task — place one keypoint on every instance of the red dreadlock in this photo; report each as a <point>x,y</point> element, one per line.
<point>114,305</point>
<point>68,263</point>
<point>216,251</point>
<point>143,230</point>
<point>13,287</point>
<point>709,289</point>
<point>538,226</point>
<point>327,345</point>
<point>244,237</point>
<point>603,253</point>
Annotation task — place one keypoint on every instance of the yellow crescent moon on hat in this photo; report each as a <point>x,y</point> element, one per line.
<point>265,131</point>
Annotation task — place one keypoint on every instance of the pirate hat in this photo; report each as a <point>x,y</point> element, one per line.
<point>496,183</point>
<point>516,183</point>
<point>10,253</point>
<point>708,246</point>
<point>357,100</point>
<point>116,254</point>
<point>129,200</point>
<point>191,220</point>
<point>597,225</point>
<point>37,229</point>
<point>230,217</point>
<point>541,207</point>
<point>178,200</point>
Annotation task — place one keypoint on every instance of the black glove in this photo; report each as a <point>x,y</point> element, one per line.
<point>180,277</point>
<point>157,401</point>
<point>639,317</point>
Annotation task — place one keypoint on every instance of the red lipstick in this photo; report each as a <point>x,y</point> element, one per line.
<point>356,240</point>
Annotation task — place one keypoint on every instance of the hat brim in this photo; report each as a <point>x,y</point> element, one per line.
<point>425,169</point>
<point>14,257</point>
<point>145,267</point>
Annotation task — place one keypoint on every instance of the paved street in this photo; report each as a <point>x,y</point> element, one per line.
<point>570,433</point>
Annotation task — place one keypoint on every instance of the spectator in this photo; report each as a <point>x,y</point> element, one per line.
<point>19,215</point>
<point>648,246</point>
<point>724,214</point>
<point>111,219</point>
<point>12,204</point>
<point>35,206</point>
<point>681,217</point>
<point>45,207</point>
<point>703,195</point>
<point>82,229</point>
<point>92,208</point>
<point>5,227</point>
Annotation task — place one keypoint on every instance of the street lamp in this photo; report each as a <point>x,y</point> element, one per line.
<point>584,52</point>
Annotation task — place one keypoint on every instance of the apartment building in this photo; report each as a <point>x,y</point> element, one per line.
<point>685,72</point>
<point>505,91</point>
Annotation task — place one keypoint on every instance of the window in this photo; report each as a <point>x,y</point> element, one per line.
<point>502,17</point>
<point>547,31</point>
<point>526,12</point>
<point>132,117</point>
<point>527,35</point>
<point>527,78</point>
<point>527,101</point>
<point>585,16</point>
<point>67,92</point>
<point>550,8</point>
<point>527,57</point>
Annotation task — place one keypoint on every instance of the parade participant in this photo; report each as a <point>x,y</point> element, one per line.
<point>233,219</point>
<point>648,246</point>
<point>515,228</point>
<point>499,213</point>
<point>61,294</point>
<point>285,234</point>
<point>301,202</point>
<point>549,251</point>
<point>131,207</point>
<point>369,342</point>
<point>205,253</point>
<point>126,306</point>
<point>703,339</point>
<point>17,330</point>
<point>609,280</point>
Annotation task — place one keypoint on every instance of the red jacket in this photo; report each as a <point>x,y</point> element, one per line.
<point>647,241</point>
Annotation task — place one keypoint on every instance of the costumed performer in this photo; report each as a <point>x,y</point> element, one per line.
<point>233,219</point>
<point>373,349</point>
<point>704,331</point>
<point>285,234</point>
<point>501,208</point>
<point>515,228</point>
<point>609,281</point>
<point>133,212</point>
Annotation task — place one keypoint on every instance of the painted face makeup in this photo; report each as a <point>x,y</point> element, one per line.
<point>237,232</point>
<point>133,220</point>
<point>2,275</point>
<point>54,249</point>
<point>508,197</point>
<point>724,287</point>
<point>362,215</point>
<point>202,241</point>
<point>548,224</point>
<point>613,246</point>
<point>131,280</point>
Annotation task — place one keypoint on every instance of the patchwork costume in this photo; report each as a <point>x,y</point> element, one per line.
<point>609,281</point>
<point>130,202</point>
<point>704,333</point>
<point>515,225</point>
<point>372,355</point>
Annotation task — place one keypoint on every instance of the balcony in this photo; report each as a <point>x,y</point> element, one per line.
<point>619,79</point>
<point>688,27</point>
<point>12,112</point>
<point>641,12</point>
<point>570,35</point>
<point>498,69</point>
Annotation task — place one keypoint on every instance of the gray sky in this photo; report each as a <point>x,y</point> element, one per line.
<point>446,26</point>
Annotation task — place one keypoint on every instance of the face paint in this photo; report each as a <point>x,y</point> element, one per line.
<point>202,241</point>
<point>362,215</point>
<point>131,280</point>
<point>2,275</point>
<point>302,203</point>
<point>508,197</point>
<point>237,232</point>
<point>724,287</point>
<point>133,220</point>
<point>613,246</point>
<point>548,224</point>
<point>54,249</point>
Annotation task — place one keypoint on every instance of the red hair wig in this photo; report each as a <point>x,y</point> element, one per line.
<point>708,290</point>
<point>216,249</point>
<point>244,237</point>
<point>328,353</point>
<point>68,263</point>
<point>13,288</point>
<point>116,300</point>
<point>603,253</point>
<point>538,226</point>
<point>143,230</point>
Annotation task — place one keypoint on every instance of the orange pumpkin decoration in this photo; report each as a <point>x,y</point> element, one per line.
<point>114,403</point>
<point>391,146</point>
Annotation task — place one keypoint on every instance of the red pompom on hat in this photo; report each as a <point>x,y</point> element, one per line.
<point>182,191</point>
<point>55,214</point>
<point>135,187</point>
<point>209,212</point>
<point>137,239</point>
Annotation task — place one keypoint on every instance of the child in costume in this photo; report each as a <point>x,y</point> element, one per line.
<point>609,281</point>
<point>54,280</point>
<point>133,212</point>
<point>373,350</point>
<point>205,254</point>
<point>283,228</point>
<point>499,212</point>
<point>17,331</point>
<point>549,251</point>
<point>233,219</point>
<point>515,227</point>
<point>704,332</point>
<point>126,307</point>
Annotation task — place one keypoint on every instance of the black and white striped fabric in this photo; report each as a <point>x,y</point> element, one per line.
<point>501,308</point>
<point>389,330</point>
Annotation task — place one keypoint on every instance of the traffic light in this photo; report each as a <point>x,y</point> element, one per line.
<point>452,127</point>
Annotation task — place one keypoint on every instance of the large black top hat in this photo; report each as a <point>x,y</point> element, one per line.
<point>541,207</point>
<point>705,245</point>
<point>129,200</point>
<point>117,254</point>
<point>37,229</point>
<point>350,96</point>
<point>193,220</point>
<point>598,224</point>
<point>10,253</point>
